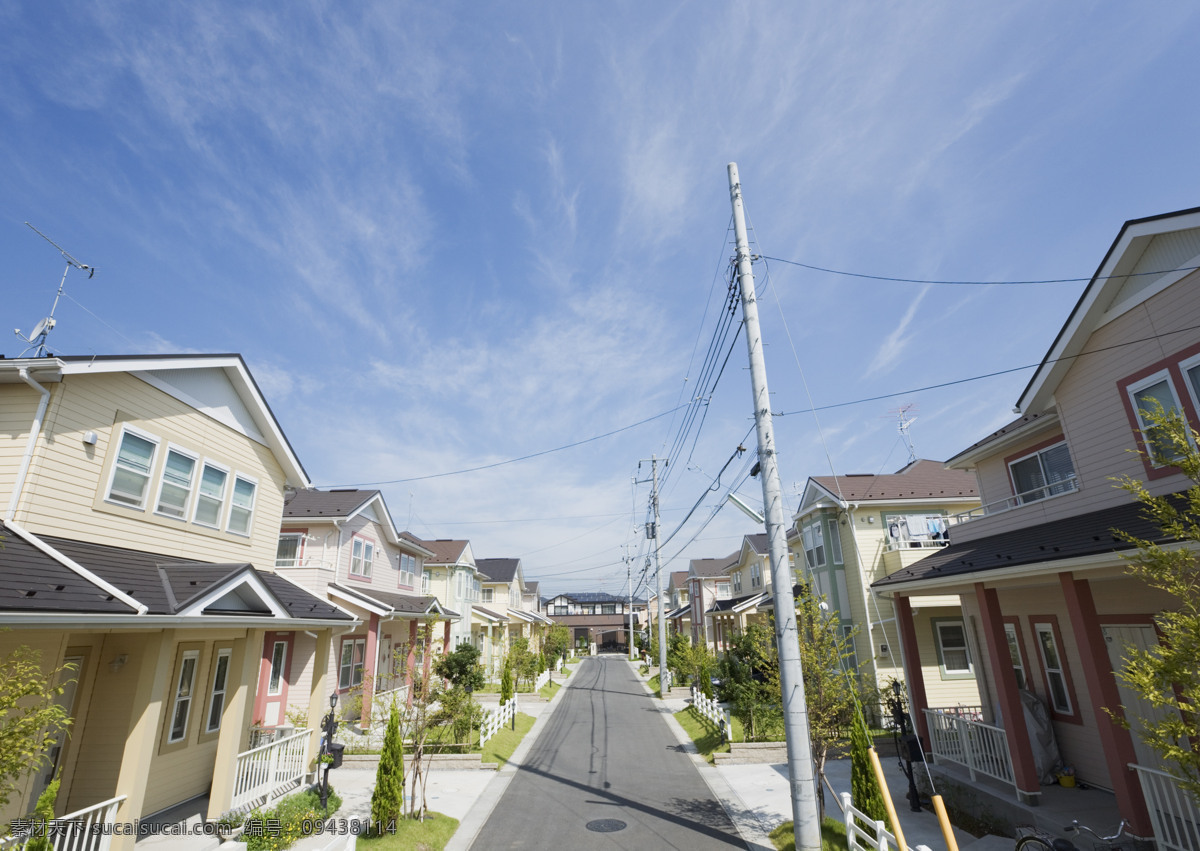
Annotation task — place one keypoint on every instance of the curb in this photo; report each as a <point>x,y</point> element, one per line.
<point>753,832</point>
<point>470,827</point>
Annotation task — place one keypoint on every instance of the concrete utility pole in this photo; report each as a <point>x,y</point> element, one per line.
<point>652,533</point>
<point>629,581</point>
<point>806,825</point>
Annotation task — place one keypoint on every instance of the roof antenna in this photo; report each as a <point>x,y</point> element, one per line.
<point>903,422</point>
<point>37,337</point>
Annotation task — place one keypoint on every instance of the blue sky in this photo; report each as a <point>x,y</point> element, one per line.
<point>443,236</point>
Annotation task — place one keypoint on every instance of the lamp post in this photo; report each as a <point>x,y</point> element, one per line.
<point>329,725</point>
<point>907,744</point>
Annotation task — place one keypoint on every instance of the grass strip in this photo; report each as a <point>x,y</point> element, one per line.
<point>432,834</point>
<point>833,836</point>
<point>703,732</point>
<point>499,748</point>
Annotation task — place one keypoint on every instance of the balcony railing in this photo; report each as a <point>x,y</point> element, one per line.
<point>323,564</point>
<point>268,771</point>
<point>1174,813</point>
<point>82,830</point>
<point>1059,488</point>
<point>955,735</point>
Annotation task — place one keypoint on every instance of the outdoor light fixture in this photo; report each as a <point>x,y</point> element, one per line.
<point>118,663</point>
<point>333,700</point>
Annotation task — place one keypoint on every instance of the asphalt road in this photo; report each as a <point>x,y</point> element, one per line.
<point>607,759</point>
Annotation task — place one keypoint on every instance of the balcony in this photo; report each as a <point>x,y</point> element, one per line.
<point>1056,489</point>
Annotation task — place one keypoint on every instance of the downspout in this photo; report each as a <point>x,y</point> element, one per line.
<point>35,431</point>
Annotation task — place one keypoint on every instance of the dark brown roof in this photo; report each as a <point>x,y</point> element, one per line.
<point>32,581</point>
<point>406,604</point>
<point>759,542</point>
<point>165,584</point>
<point>1071,537</point>
<point>444,551</point>
<point>332,503</point>
<point>498,569</point>
<point>711,567</point>
<point>1016,425</point>
<point>921,479</point>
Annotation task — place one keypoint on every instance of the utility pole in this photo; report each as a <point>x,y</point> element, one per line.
<point>805,820</point>
<point>652,532</point>
<point>629,584</point>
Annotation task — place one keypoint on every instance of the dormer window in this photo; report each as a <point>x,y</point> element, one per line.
<point>1042,474</point>
<point>131,472</point>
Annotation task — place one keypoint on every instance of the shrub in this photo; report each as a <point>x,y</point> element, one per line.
<point>294,817</point>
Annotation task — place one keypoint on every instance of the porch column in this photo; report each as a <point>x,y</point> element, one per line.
<point>410,664</point>
<point>149,691</point>
<point>1019,747</point>
<point>429,645</point>
<point>369,670</point>
<point>1116,741</point>
<point>242,681</point>
<point>319,690</point>
<point>914,675</point>
<point>446,648</point>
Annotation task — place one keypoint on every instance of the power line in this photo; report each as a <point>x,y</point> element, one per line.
<point>972,283</point>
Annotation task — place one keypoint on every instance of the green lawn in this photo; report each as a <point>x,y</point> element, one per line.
<point>833,836</point>
<point>432,834</point>
<point>499,748</point>
<point>704,733</point>
<point>547,691</point>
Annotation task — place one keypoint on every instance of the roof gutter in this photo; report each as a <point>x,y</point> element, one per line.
<point>92,620</point>
<point>117,593</point>
<point>35,431</point>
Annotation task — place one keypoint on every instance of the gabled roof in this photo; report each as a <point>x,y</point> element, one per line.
<point>1147,256</point>
<point>678,579</point>
<point>344,504</point>
<point>498,569</point>
<point>597,597</point>
<point>181,376</point>
<point>164,585</point>
<point>444,551</point>
<point>737,604</point>
<point>682,611</point>
<point>388,604</point>
<point>1071,537</point>
<point>710,568</point>
<point>922,480</point>
<point>487,614</point>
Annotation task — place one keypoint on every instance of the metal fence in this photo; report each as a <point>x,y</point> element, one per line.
<point>1174,812</point>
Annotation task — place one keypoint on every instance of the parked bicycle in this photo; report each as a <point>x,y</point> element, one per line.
<point>1036,839</point>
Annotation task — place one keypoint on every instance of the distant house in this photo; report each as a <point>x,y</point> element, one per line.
<point>707,582</point>
<point>144,496</point>
<point>1048,604</point>
<point>594,618</point>
<point>854,529</point>
<point>503,595</point>
<point>342,545</point>
<point>450,575</point>
<point>749,598</point>
<point>679,620</point>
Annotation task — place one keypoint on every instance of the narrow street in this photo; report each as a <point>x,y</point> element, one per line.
<point>608,759</point>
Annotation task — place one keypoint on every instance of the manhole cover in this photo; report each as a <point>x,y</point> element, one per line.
<point>606,825</point>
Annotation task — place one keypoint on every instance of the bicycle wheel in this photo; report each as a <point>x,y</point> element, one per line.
<point>1033,842</point>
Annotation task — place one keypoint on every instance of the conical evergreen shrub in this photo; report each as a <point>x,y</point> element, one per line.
<point>387,801</point>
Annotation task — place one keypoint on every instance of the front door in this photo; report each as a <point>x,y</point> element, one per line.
<point>271,704</point>
<point>1140,638</point>
<point>59,742</point>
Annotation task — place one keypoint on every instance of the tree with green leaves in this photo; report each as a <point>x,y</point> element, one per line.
<point>30,718</point>
<point>506,679</point>
<point>465,675</point>
<point>557,642</point>
<point>750,681</point>
<point>1168,674</point>
<point>864,785</point>
<point>387,801</point>
<point>832,687</point>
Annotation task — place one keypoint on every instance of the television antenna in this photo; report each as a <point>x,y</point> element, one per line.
<point>904,423</point>
<point>37,337</point>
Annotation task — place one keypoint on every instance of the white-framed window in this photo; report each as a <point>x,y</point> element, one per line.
<point>1052,664</point>
<point>216,695</point>
<point>737,582</point>
<point>560,610</point>
<point>1191,373</point>
<point>608,608</point>
<point>1043,474</point>
<point>175,484</point>
<point>241,505</point>
<point>1014,653</point>
<point>408,569</point>
<point>132,467</point>
<point>835,545</point>
<point>812,536</point>
<point>362,555</point>
<point>210,497</point>
<point>181,706</point>
<point>350,669</point>
<point>954,657</point>
<point>287,551</point>
<point>722,590</point>
<point>488,595</point>
<point>1149,396</point>
<point>756,575</point>
<point>278,662</point>
<point>425,579</point>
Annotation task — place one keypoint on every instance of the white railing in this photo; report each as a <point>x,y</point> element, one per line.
<point>81,830</point>
<point>542,679</point>
<point>982,748</point>
<point>1064,486</point>
<point>494,719</point>
<point>710,709</point>
<point>876,838</point>
<point>383,701</point>
<point>1174,813</point>
<point>270,770</point>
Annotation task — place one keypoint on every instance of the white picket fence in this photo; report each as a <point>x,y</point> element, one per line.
<point>1174,813</point>
<point>982,748</point>
<point>712,710</point>
<point>77,831</point>
<point>877,838</point>
<point>494,719</point>
<point>542,679</point>
<point>270,770</point>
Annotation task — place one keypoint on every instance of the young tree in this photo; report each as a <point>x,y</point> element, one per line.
<point>43,814</point>
<point>30,719</point>
<point>864,787</point>
<point>1168,675</point>
<point>420,721</point>
<point>462,669</point>
<point>557,642</point>
<point>831,683</point>
<point>506,679</point>
<point>387,801</point>
<point>750,681</point>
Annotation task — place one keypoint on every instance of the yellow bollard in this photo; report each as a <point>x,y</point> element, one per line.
<point>887,800</point>
<point>944,822</point>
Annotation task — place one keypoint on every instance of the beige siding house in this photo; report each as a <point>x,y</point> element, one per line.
<point>450,575</point>
<point>852,530</point>
<point>1045,592</point>
<point>143,497</point>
